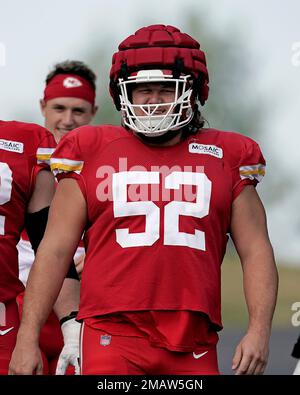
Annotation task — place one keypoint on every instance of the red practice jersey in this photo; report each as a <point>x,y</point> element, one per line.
<point>24,150</point>
<point>158,217</point>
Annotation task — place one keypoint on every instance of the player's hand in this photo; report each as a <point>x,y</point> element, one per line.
<point>70,352</point>
<point>26,359</point>
<point>251,354</point>
<point>79,262</point>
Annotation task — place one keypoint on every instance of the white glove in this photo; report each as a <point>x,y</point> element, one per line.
<point>70,352</point>
<point>297,370</point>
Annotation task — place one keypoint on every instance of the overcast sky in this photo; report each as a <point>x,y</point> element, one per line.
<point>36,34</point>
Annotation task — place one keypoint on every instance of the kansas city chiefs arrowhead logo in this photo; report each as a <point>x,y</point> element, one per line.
<point>71,82</point>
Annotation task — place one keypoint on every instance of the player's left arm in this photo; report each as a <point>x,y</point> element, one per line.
<point>260,278</point>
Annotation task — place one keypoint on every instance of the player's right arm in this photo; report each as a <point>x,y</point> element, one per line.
<point>66,222</point>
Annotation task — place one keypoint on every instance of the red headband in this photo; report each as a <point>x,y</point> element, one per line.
<point>69,85</point>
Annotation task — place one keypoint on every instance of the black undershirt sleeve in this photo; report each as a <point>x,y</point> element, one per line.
<point>35,224</point>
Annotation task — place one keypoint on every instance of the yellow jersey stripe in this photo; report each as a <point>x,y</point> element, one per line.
<point>64,167</point>
<point>248,172</point>
<point>43,157</point>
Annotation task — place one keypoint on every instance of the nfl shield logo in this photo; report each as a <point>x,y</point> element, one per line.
<point>105,340</point>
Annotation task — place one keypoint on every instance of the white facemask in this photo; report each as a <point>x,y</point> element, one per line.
<point>154,122</point>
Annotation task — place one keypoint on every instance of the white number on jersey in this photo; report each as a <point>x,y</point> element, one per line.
<point>5,190</point>
<point>122,208</point>
<point>172,235</point>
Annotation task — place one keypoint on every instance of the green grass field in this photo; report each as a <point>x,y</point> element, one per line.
<point>234,310</point>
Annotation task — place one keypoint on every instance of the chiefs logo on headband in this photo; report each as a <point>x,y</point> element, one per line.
<point>71,82</point>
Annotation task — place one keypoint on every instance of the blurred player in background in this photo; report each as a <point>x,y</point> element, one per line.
<point>156,199</point>
<point>68,102</point>
<point>26,190</point>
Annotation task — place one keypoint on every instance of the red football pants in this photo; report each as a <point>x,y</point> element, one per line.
<point>9,326</point>
<point>128,355</point>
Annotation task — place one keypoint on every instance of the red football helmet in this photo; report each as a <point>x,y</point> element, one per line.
<point>159,53</point>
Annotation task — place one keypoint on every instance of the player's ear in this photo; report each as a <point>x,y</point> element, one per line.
<point>42,106</point>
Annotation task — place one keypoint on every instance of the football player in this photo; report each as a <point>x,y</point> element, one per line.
<point>68,102</point>
<point>26,190</point>
<point>156,198</point>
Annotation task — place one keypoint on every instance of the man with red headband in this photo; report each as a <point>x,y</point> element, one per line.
<point>157,199</point>
<point>68,102</point>
<point>69,98</point>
